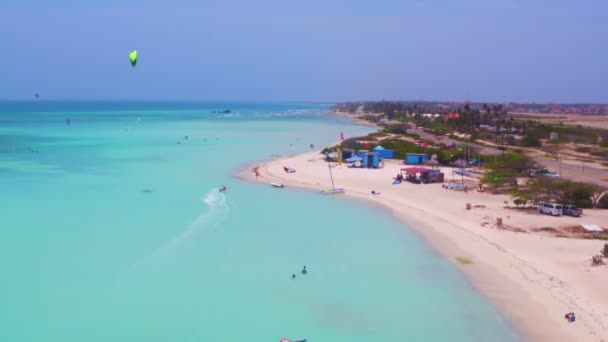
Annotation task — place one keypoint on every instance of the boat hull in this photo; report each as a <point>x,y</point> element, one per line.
<point>332,191</point>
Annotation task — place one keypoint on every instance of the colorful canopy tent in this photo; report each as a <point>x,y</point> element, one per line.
<point>426,175</point>
<point>416,158</point>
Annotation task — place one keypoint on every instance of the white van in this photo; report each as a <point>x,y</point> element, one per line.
<point>550,208</point>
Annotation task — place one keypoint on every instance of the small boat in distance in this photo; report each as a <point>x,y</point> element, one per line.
<point>225,111</point>
<point>277,185</point>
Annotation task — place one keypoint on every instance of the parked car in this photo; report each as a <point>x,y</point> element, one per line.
<point>571,210</point>
<point>540,171</point>
<point>550,208</point>
<point>553,175</point>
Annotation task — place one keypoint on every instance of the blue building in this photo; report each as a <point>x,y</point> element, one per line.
<point>370,159</point>
<point>384,153</point>
<point>362,153</point>
<point>416,158</point>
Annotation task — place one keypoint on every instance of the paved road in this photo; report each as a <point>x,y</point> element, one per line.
<point>575,171</point>
<point>445,140</point>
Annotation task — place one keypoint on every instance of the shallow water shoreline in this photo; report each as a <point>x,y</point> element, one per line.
<point>521,289</point>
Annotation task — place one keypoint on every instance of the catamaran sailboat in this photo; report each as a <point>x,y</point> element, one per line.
<point>333,189</point>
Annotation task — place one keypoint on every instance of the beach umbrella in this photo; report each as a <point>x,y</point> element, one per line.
<point>353,159</point>
<point>133,58</point>
<point>378,148</point>
<point>431,162</point>
<point>460,163</point>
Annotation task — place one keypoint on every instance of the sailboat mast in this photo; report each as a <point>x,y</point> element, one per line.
<point>331,176</point>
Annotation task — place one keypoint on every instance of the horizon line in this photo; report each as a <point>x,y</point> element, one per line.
<point>292,101</point>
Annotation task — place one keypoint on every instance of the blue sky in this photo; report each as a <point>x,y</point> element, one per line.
<point>315,50</point>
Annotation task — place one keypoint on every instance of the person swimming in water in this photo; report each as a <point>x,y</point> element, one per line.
<point>223,188</point>
<point>293,276</point>
<point>304,271</point>
<point>67,121</point>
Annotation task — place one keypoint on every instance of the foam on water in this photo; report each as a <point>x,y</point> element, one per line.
<point>216,210</point>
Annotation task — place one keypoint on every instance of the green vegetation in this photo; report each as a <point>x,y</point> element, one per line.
<point>562,191</point>
<point>605,250</point>
<point>504,170</point>
<point>370,118</point>
<point>577,133</point>
<point>491,123</point>
<point>531,140</point>
<point>583,149</point>
<point>603,153</point>
<point>603,202</point>
<point>396,128</point>
<point>401,147</point>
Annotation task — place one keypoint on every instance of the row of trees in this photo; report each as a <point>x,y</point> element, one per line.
<point>471,117</point>
<point>562,191</point>
<point>511,173</point>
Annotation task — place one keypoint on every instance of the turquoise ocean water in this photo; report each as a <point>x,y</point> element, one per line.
<point>112,229</point>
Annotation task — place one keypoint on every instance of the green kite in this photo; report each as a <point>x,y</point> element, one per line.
<point>133,58</point>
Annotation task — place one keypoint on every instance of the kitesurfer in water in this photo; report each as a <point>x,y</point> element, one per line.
<point>304,271</point>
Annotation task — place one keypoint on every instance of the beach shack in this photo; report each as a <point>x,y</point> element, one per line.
<point>369,159</point>
<point>416,158</point>
<point>421,175</point>
<point>373,160</point>
<point>347,153</point>
<point>384,153</point>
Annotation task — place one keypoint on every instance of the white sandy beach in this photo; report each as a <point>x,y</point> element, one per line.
<point>533,278</point>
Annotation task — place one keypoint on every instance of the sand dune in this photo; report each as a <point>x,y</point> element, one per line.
<point>535,279</point>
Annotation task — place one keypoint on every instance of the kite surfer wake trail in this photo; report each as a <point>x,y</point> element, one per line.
<point>216,210</point>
